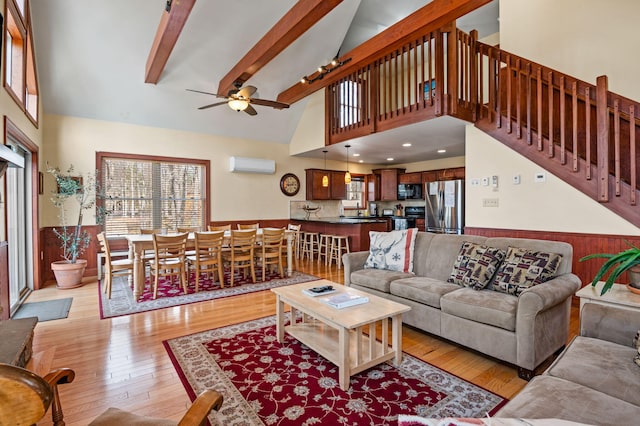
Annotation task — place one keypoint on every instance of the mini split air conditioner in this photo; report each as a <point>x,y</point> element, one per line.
<point>252,165</point>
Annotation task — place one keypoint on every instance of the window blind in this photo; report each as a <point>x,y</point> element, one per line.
<point>149,194</point>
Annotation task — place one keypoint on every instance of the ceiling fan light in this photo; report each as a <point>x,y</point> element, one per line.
<point>238,104</point>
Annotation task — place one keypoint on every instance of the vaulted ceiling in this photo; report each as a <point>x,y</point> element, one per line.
<point>91,58</point>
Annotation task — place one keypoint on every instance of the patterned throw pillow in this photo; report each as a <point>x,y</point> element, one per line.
<point>636,344</point>
<point>475,265</point>
<point>392,250</point>
<point>523,269</point>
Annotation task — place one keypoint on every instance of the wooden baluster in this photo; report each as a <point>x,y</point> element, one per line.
<point>539,101</point>
<point>398,78</point>
<point>439,64</point>
<point>587,132</point>
<point>616,144</point>
<point>574,94</point>
<point>550,90</point>
<point>509,84</point>
<point>473,74</point>
<point>563,120</point>
<point>385,86</point>
<point>492,86</point>
<point>602,115</point>
<point>632,154</point>
<point>518,100</point>
<point>416,68</point>
<point>528,88</point>
<point>430,62</point>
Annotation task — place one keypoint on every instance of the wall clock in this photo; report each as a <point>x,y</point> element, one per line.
<point>289,184</point>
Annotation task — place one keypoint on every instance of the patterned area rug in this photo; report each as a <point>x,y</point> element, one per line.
<point>123,303</point>
<point>264,382</point>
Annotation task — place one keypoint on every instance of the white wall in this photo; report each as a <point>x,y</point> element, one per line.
<point>549,206</point>
<point>582,38</point>
<point>72,140</point>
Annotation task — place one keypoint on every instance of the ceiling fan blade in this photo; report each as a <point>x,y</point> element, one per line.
<point>247,91</point>
<point>272,104</point>
<point>206,93</point>
<point>212,105</point>
<point>250,110</point>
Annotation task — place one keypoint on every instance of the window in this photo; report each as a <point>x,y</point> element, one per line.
<point>20,70</point>
<point>349,98</point>
<point>145,192</point>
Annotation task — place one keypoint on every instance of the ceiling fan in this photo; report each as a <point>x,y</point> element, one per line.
<point>239,99</point>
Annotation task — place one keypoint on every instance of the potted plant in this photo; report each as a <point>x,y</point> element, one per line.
<point>75,193</point>
<point>617,263</point>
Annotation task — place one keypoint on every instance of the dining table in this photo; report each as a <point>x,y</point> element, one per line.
<point>139,243</point>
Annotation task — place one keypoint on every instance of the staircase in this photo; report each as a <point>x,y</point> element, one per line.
<point>580,132</point>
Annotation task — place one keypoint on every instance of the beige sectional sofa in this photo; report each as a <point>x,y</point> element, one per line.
<point>595,380</point>
<point>523,330</point>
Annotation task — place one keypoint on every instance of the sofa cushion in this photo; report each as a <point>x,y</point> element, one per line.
<point>392,250</point>
<point>475,265</point>
<point>604,366</point>
<point>443,250</point>
<point>485,306</point>
<point>422,289</point>
<point>552,397</point>
<point>522,269</point>
<point>377,279</point>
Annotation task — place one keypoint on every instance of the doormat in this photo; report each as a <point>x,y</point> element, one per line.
<point>264,382</point>
<point>45,311</point>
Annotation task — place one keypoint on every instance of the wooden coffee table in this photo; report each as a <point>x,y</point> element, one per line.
<point>338,334</point>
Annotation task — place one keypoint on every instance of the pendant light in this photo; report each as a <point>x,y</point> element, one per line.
<point>347,176</point>
<point>325,178</point>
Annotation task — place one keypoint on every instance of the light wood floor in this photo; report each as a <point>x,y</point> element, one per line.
<point>121,362</point>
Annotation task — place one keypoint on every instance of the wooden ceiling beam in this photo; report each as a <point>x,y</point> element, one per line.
<point>431,17</point>
<point>169,29</point>
<point>302,16</point>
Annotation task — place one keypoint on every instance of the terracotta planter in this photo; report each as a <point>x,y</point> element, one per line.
<point>634,279</point>
<point>68,275</point>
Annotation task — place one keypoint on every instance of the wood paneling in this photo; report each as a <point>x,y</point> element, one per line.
<point>583,244</point>
<point>51,252</point>
<point>264,223</point>
<point>4,281</point>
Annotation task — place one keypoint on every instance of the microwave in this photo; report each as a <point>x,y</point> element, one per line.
<point>410,191</point>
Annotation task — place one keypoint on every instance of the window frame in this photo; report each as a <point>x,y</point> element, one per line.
<point>21,92</point>
<point>101,155</point>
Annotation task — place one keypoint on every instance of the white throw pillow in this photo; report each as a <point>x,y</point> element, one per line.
<point>392,250</point>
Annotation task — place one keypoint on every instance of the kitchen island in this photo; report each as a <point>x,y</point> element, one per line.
<point>357,228</point>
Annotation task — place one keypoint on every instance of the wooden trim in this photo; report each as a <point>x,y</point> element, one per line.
<point>169,29</point>
<point>11,129</point>
<point>302,16</point>
<point>583,244</point>
<point>429,18</point>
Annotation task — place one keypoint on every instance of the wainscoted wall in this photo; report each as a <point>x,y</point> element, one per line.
<point>583,244</point>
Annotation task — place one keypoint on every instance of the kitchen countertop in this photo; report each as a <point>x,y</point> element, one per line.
<point>345,220</point>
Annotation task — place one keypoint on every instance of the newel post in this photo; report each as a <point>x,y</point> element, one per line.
<point>602,122</point>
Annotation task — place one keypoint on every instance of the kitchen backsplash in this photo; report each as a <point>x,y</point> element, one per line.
<point>333,208</point>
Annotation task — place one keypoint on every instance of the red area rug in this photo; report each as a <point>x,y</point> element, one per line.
<point>264,382</point>
<point>123,303</point>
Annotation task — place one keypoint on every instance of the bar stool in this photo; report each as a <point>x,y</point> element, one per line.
<point>324,247</point>
<point>309,244</point>
<point>337,249</point>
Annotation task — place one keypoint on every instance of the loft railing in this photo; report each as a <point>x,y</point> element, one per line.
<point>589,133</point>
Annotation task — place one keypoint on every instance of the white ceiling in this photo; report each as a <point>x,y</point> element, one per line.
<point>91,58</point>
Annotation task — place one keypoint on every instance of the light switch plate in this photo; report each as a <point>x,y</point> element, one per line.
<point>540,177</point>
<point>485,181</point>
<point>489,202</point>
<point>516,179</point>
<point>475,182</point>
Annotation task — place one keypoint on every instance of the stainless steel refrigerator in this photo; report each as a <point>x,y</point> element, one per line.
<point>444,211</point>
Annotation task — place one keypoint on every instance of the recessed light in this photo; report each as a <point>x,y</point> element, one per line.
<point>442,151</point>
<point>356,155</point>
<point>406,144</point>
<point>360,161</point>
<point>390,159</point>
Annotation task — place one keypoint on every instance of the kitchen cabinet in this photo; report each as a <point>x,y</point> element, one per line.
<point>443,174</point>
<point>373,187</point>
<point>337,190</point>
<point>388,183</point>
<point>407,178</point>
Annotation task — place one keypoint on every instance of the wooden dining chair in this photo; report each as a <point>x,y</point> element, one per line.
<point>242,226</point>
<point>226,227</point>
<point>208,256</point>
<point>240,254</point>
<point>25,398</point>
<point>119,267</point>
<point>269,253</point>
<point>189,229</point>
<point>169,259</point>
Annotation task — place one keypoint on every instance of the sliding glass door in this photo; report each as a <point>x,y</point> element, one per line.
<point>19,233</point>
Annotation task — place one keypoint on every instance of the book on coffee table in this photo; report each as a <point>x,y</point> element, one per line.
<point>344,300</point>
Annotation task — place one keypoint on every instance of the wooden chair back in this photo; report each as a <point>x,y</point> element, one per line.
<point>270,251</point>
<point>169,259</point>
<point>242,226</point>
<point>150,231</point>
<point>241,252</point>
<point>189,229</point>
<point>208,255</point>
<point>219,227</point>
<point>112,267</point>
